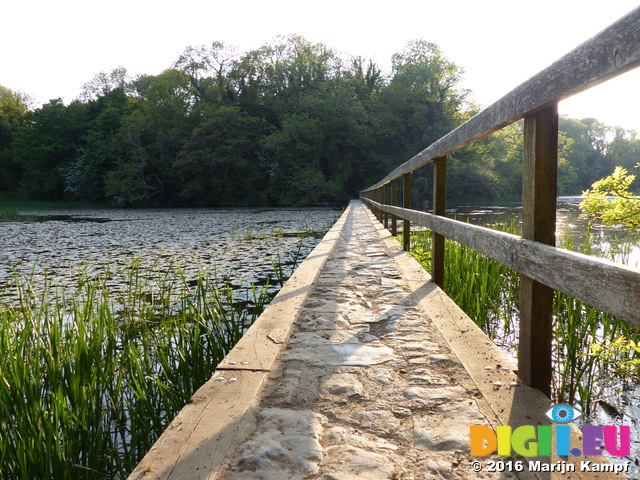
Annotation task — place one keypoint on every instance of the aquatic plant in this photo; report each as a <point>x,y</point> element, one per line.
<point>281,273</point>
<point>9,214</point>
<point>89,379</point>
<point>592,350</point>
<point>485,289</point>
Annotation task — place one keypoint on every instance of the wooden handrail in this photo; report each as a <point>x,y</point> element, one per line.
<point>543,267</point>
<point>563,270</point>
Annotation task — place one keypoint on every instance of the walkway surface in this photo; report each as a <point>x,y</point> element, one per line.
<point>364,384</point>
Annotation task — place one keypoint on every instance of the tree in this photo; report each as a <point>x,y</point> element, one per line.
<point>150,139</point>
<point>206,68</point>
<point>624,148</point>
<point>132,181</point>
<point>97,150</point>
<point>366,83</point>
<point>267,81</point>
<point>46,144</point>
<point>13,109</point>
<point>421,102</point>
<point>291,122</point>
<point>103,83</point>
<point>587,154</point>
<point>622,209</point>
<point>216,166</point>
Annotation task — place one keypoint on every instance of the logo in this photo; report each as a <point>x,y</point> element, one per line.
<point>537,441</point>
<point>562,413</point>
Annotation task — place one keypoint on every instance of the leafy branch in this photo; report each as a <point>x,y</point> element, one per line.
<point>611,201</point>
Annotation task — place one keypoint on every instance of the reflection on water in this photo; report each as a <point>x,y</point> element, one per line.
<point>569,220</point>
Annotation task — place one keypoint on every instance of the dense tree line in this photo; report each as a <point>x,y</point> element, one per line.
<point>290,123</point>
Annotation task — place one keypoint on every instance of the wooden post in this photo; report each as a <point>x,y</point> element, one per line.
<point>372,196</point>
<point>439,199</point>
<point>406,203</point>
<point>385,191</point>
<point>539,187</point>
<point>394,202</point>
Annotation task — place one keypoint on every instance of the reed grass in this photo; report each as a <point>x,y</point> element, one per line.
<point>9,214</point>
<point>283,270</point>
<point>592,350</point>
<point>89,379</point>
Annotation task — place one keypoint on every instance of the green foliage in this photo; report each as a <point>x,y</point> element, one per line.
<point>88,383</point>
<point>485,289</point>
<point>47,142</point>
<point>580,375</point>
<point>13,108</point>
<point>289,123</point>
<point>622,354</point>
<point>9,214</point>
<point>215,164</point>
<point>84,177</point>
<point>622,209</point>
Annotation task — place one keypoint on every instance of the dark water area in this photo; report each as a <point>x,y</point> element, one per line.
<point>239,246</point>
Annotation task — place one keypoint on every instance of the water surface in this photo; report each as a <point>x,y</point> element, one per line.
<point>237,245</point>
<point>570,220</point>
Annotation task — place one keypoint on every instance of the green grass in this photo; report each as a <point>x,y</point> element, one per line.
<point>10,211</point>
<point>591,349</point>
<point>89,379</point>
<point>9,214</point>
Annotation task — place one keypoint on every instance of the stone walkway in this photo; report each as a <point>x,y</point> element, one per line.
<point>366,388</point>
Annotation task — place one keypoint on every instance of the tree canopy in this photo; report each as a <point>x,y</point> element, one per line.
<point>289,123</point>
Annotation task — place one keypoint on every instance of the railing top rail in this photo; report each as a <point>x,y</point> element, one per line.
<point>562,270</point>
<point>608,54</point>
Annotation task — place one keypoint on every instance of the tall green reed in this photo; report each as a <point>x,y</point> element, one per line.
<point>485,289</point>
<point>280,270</point>
<point>591,349</point>
<point>89,379</point>
<point>9,214</point>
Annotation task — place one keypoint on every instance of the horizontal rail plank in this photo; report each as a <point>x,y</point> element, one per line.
<point>610,53</point>
<point>606,285</point>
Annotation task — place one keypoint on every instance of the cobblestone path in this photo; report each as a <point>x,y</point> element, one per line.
<point>366,388</point>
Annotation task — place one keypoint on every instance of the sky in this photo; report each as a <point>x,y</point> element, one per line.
<point>49,49</point>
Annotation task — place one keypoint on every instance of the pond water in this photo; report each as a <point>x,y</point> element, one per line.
<point>606,240</point>
<point>237,245</point>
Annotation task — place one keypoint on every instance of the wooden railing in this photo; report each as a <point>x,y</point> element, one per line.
<point>543,268</point>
